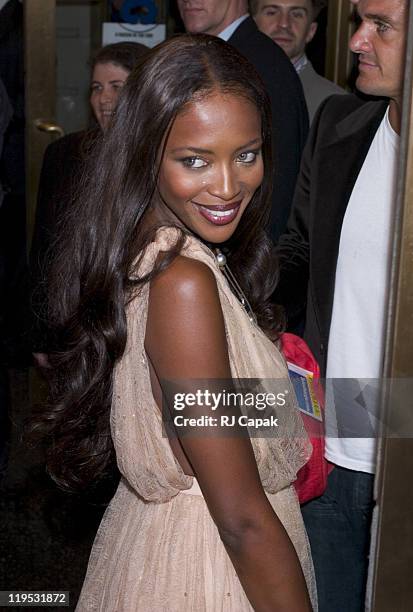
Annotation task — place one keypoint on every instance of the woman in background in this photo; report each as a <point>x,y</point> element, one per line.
<point>111,67</point>
<point>62,168</point>
<point>140,296</point>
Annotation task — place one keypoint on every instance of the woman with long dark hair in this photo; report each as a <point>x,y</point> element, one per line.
<point>164,276</point>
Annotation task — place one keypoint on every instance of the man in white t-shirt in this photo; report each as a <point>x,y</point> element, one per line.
<point>337,251</point>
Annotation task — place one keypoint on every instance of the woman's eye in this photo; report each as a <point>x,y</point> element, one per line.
<point>194,162</point>
<point>248,157</point>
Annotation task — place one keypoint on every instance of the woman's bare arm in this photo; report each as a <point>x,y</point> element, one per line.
<point>185,339</point>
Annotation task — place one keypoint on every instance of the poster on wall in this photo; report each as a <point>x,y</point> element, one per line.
<point>134,11</point>
<point>134,21</point>
<point>149,35</point>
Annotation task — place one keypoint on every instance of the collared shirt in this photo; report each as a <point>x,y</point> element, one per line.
<point>300,63</point>
<point>229,30</point>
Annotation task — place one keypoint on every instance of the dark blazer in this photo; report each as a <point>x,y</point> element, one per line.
<point>340,137</point>
<point>289,114</point>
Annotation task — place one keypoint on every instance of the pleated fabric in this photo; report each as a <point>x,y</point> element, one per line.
<point>157,548</point>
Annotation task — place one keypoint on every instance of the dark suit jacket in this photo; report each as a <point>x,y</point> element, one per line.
<point>340,137</point>
<point>289,114</point>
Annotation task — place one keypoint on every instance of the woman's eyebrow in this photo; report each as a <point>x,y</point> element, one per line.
<point>110,82</point>
<point>255,141</point>
<point>189,148</point>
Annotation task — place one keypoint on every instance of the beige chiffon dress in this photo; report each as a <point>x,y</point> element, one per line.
<point>157,548</point>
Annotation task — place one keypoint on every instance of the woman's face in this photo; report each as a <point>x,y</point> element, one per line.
<point>212,166</point>
<point>107,81</point>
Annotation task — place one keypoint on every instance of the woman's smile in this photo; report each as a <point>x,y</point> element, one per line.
<point>220,214</point>
<point>211,166</point>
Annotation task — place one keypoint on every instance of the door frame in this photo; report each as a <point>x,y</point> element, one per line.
<point>392,537</point>
<point>40,92</point>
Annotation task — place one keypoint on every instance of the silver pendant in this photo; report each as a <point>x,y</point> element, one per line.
<point>221,259</point>
<point>234,285</point>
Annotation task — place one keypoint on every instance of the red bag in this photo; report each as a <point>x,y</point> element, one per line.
<point>312,477</point>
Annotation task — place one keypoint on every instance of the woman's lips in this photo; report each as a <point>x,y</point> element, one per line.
<point>219,215</point>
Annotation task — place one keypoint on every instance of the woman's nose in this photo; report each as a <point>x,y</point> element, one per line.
<point>225,184</point>
<point>106,96</point>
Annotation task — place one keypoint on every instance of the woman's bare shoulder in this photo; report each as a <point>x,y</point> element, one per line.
<point>186,277</point>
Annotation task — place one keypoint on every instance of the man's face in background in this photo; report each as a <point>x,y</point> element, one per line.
<point>290,23</point>
<point>380,42</point>
<point>207,16</point>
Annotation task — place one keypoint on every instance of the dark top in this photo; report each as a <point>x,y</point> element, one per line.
<point>12,74</point>
<point>62,168</point>
<point>340,138</point>
<point>6,113</point>
<point>289,114</point>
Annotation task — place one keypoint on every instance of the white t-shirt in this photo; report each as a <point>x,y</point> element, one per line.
<point>356,340</point>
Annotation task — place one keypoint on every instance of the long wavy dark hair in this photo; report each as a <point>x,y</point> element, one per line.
<point>102,236</point>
